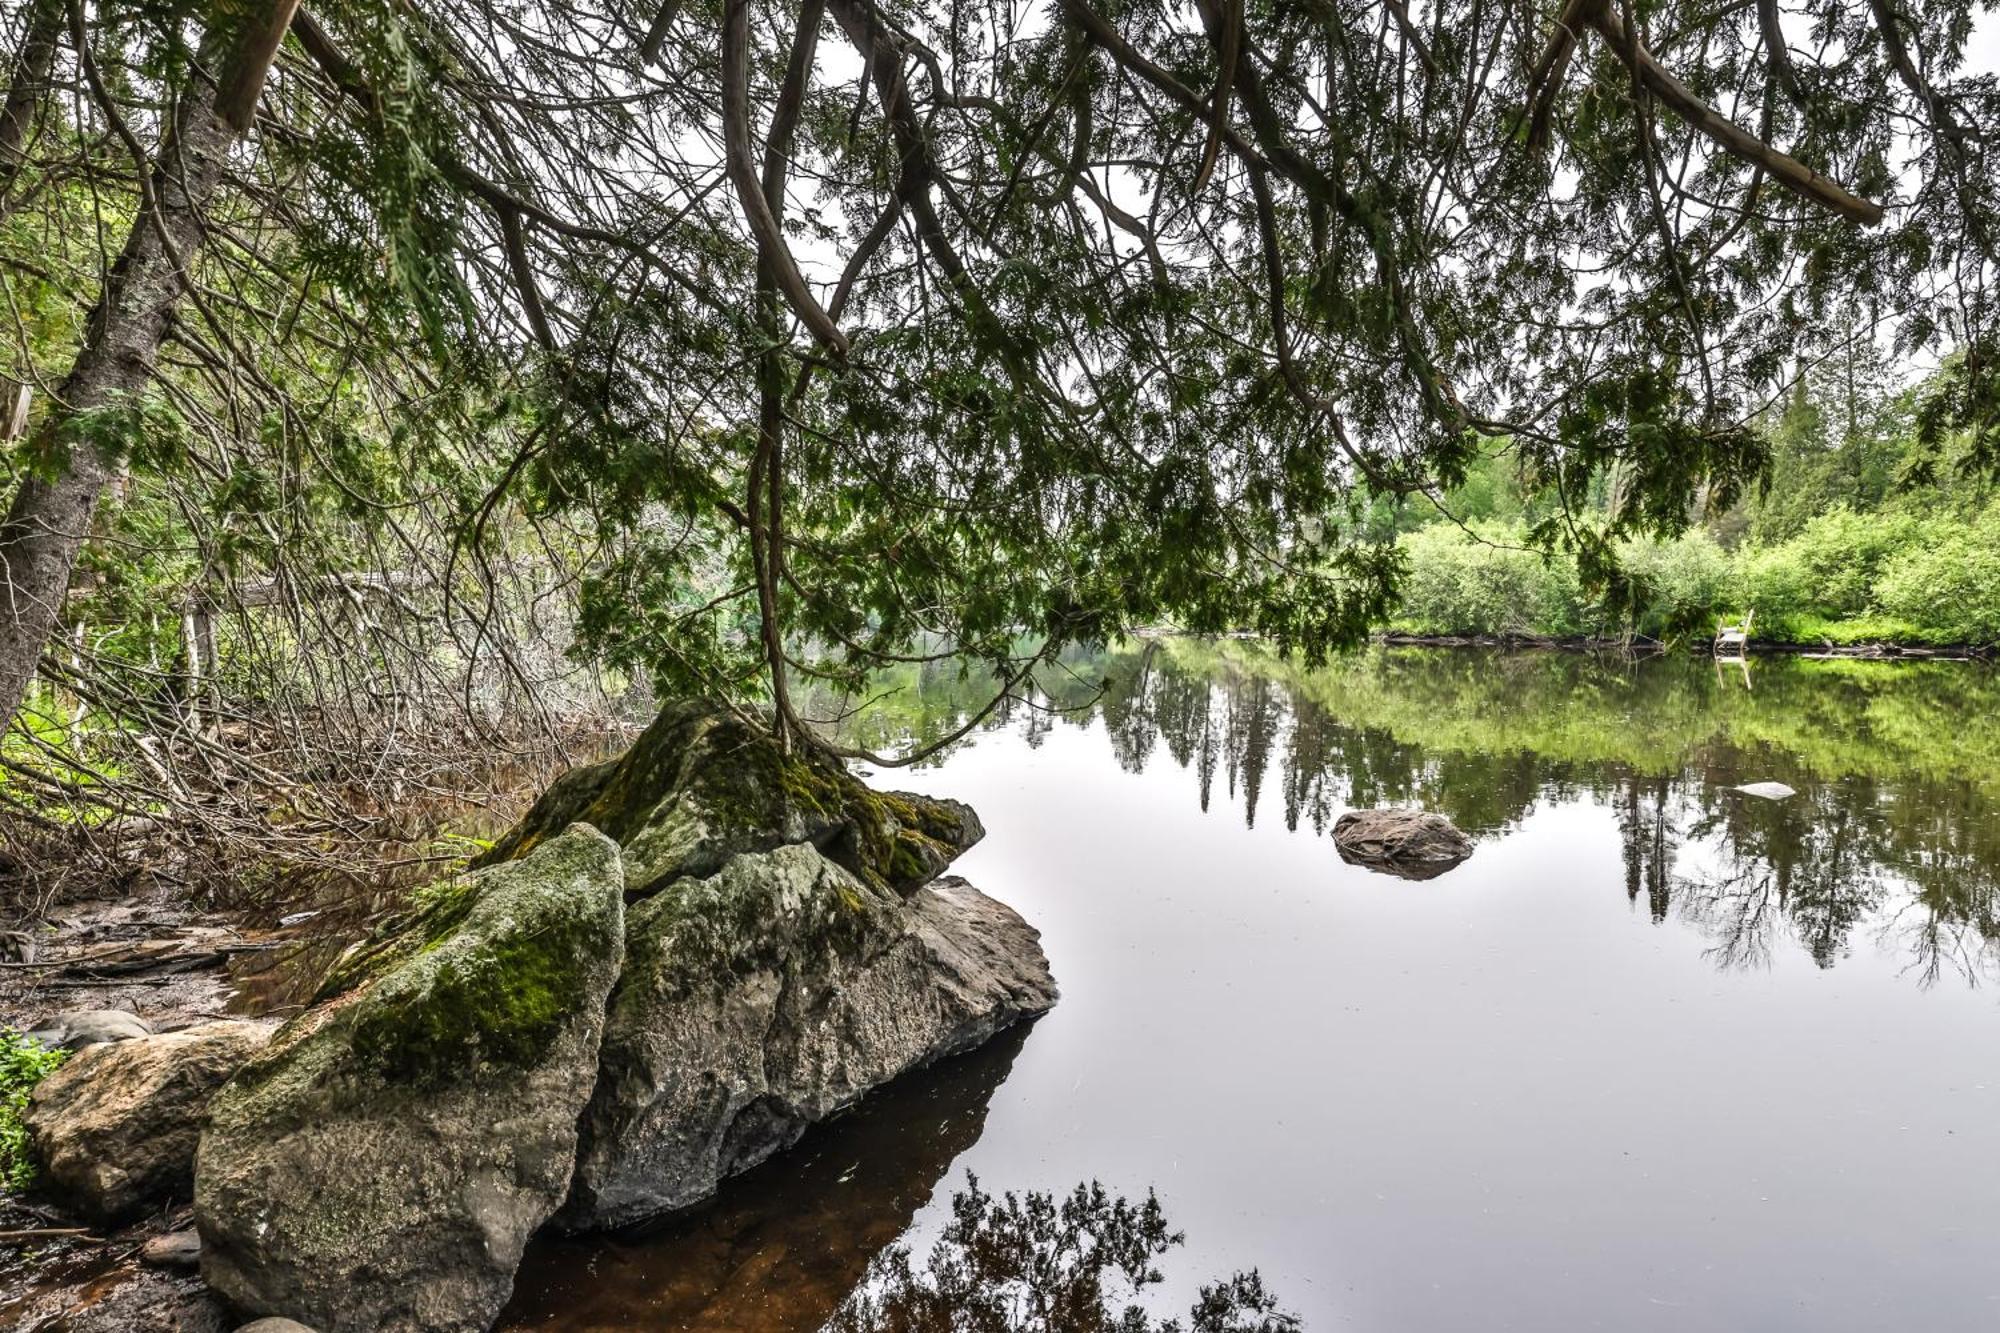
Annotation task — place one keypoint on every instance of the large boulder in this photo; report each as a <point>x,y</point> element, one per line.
<point>114,1128</point>
<point>1410,844</point>
<point>770,995</point>
<point>700,785</point>
<point>382,1164</point>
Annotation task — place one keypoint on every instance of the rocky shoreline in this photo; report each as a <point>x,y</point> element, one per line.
<point>679,961</point>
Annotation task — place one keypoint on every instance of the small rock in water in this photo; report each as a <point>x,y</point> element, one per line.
<point>1410,844</point>
<point>1770,791</point>
<point>176,1249</point>
<point>89,1027</point>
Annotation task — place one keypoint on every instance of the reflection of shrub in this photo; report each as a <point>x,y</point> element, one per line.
<point>23,1064</point>
<point>1031,1265</point>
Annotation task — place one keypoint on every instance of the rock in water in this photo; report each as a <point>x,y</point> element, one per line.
<point>699,786</point>
<point>1411,844</point>
<point>382,1164</point>
<point>1770,791</point>
<point>771,995</point>
<point>114,1128</point>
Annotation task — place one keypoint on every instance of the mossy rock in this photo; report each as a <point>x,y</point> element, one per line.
<point>700,786</point>
<point>383,1162</point>
<point>770,995</point>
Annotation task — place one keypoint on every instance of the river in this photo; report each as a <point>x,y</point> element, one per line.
<point>1660,1055</point>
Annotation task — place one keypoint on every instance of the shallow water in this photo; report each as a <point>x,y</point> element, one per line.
<point>1659,1056</point>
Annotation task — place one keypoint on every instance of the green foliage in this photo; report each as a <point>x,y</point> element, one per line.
<point>1485,582</point>
<point>23,1064</point>
<point>1949,585</point>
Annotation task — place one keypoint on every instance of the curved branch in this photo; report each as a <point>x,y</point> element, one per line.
<point>1732,138</point>
<point>741,167</point>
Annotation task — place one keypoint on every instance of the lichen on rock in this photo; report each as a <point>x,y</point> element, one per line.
<point>383,1163</point>
<point>771,995</point>
<point>114,1129</point>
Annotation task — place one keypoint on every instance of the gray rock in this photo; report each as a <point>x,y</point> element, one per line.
<point>89,1027</point>
<point>274,1326</point>
<point>1770,791</point>
<point>699,786</point>
<point>174,1249</point>
<point>767,997</point>
<point>1410,844</point>
<point>382,1165</point>
<point>114,1127</point>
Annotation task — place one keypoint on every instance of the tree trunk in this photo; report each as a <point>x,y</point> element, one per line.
<point>50,518</point>
<point>27,86</point>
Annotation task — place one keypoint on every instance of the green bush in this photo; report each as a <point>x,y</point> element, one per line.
<point>1485,584</point>
<point>23,1064</point>
<point>1845,578</point>
<point>1680,582</point>
<point>1948,586</point>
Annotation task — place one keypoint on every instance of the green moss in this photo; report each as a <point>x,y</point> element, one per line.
<point>493,967</point>
<point>700,784</point>
<point>696,935</point>
<point>431,915</point>
<point>500,1003</point>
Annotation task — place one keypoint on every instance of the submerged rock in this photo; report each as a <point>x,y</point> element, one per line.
<point>1770,791</point>
<point>700,786</point>
<point>1410,844</point>
<point>767,997</point>
<point>383,1163</point>
<point>88,1027</point>
<point>114,1127</point>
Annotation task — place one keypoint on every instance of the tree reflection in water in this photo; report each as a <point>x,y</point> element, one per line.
<point>1896,824</point>
<point>1031,1265</point>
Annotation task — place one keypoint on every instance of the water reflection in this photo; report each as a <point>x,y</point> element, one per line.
<point>783,1245</point>
<point>1028,1264</point>
<point>1896,768</point>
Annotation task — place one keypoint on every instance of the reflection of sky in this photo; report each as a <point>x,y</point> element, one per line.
<point>1501,1099</point>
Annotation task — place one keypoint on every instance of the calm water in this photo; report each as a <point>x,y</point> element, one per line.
<point>1659,1056</point>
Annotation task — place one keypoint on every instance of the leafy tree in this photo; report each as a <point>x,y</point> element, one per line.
<point>840,333</point>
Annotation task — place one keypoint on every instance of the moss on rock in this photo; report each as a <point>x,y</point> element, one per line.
<point>382,1164</point>
<point>700,786</point>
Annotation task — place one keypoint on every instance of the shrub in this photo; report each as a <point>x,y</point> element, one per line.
<point>1485,584</point>
<point>23,1064</point>
<point>1949,585</point>
<point>1680,582</point>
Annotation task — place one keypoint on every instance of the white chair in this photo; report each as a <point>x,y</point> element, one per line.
<point>1734,637</point>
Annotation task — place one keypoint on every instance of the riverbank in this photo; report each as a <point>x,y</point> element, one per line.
<point>1877,651</point>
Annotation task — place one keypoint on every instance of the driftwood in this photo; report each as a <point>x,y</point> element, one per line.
<point>140,958</point>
